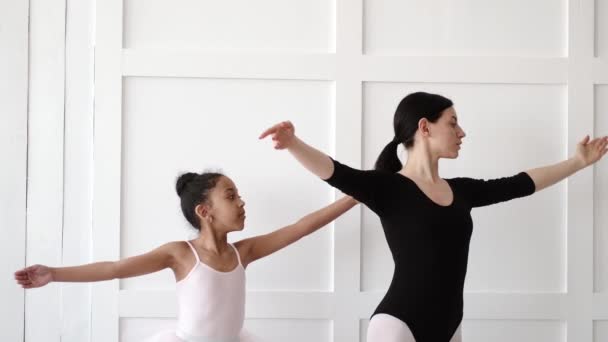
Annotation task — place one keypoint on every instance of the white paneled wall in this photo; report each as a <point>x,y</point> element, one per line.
<point>600,75</point>
<point>600,299</point>
<point>188,85</point>
<point>13,158</point>
<point>517,28</point>
<point>78,166</point>
<point>206,76</point>
<point>601,197</point>
<point>600,331</point>
<point>237,26</point>
<point>601,29</point>
<point>45,162</point>
<point>506,68</point>
<point>48,82</point>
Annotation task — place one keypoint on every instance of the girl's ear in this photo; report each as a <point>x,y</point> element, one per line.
<point>202,211</point>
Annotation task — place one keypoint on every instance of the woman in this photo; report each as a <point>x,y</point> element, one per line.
<point>426,219</point>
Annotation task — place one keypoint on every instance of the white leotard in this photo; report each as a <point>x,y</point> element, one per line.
<point>211,303</point>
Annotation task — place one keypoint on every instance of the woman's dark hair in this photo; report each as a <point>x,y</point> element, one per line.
<point>193,189</point>
<point>410,110</point>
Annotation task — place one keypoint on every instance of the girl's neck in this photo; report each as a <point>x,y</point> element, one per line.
<point>211,241</point>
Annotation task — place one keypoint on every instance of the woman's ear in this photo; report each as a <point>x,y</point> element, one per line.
<point>423,127</point>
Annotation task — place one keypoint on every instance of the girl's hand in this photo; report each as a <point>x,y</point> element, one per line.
<point>283,134</point>
<point>34,276</point>
<point>589,152</point>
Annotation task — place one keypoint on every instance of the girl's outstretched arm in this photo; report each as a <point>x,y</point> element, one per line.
<point>587,153</point>
<point>260,246</point>
<point>153,261</point>
<point>317,162</point>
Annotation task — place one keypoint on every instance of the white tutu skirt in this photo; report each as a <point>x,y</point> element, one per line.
<point>171,336</point>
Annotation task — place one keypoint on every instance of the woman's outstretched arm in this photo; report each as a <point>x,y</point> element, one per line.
<point>587,152</point>
<point>368,187</point>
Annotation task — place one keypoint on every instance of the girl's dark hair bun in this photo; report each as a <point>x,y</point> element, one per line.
<point>193,189</point>
<point>183,181</point>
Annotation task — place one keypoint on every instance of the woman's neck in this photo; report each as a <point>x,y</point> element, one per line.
<point>422,165</point>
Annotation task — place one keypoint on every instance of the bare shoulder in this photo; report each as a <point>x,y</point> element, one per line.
<point>182,258</point>
<point>244,247</point>
<point>177,249</point>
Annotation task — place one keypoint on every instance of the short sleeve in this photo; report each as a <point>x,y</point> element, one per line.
<point>486,192</point>
<point>365,186</point>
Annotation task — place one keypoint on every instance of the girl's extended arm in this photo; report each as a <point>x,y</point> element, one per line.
<point>153,261</point>
<point>260,246</point>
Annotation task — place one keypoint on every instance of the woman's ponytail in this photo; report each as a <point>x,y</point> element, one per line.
<point>388,159</point>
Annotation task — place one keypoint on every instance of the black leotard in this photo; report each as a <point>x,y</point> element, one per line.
<point>429,242</point>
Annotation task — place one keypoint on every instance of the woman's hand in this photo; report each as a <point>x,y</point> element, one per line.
<point>315,161</point>
<point>283,134</point>
<point>34,276</point>
<point>589,152</point>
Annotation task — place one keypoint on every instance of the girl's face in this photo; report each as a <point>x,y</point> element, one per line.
<point>226,211</point>
<point>445,135</point>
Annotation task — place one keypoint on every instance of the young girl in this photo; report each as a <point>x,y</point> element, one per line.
<point>426,219</point>
<point>210,272</point>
